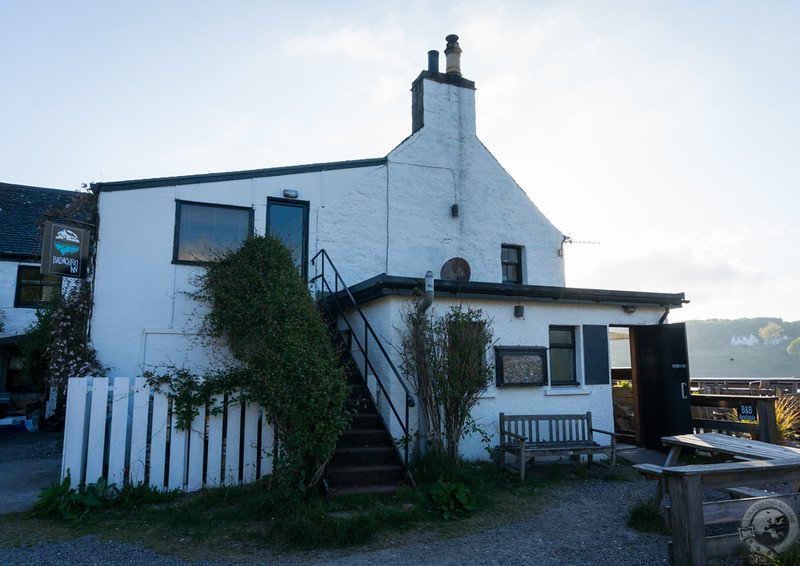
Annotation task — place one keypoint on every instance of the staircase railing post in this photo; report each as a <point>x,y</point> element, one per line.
<point>407,439</point>
<point>366,357</point>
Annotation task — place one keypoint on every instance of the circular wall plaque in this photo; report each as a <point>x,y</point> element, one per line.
<point>456,269</point>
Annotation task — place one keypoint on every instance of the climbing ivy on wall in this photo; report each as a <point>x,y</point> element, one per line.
<point>280,354</point>
<point>57,344</point>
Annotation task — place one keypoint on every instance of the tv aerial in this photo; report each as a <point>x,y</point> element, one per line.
<point>569,240</point>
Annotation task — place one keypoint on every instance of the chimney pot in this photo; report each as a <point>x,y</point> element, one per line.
<point>453,55</point>
<point>433,61</point>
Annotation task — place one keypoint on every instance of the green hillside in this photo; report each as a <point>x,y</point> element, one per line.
<point>711,353</point>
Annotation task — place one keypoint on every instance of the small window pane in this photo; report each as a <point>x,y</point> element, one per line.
<point>511,260</point>
<point>562,366</point>
<point>206,230</point>
<point>35,289</point>
<point>562,336</point>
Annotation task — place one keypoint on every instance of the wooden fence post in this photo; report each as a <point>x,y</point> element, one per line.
<point>75,426</point>
<point>686,518</point>
<point>767,424</point>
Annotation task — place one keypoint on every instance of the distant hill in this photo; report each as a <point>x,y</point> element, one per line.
<point>711,353</point>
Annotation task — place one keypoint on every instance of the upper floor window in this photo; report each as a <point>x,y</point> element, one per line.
<point>287,220</point>
<point>511,260</point>
<point>34,289</point>
<point>204,230</point>
<point>562,356</point>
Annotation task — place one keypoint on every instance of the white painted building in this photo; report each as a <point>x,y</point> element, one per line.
<point>439,202</point>
<point>23,288</point>
<point>744,340</point>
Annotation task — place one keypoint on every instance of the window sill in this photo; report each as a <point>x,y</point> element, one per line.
<point>566,390</point>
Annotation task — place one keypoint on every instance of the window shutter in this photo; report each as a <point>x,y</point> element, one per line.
<point>595,355</point>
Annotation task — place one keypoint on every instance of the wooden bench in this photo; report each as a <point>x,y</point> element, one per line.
<point>655,472</point>
<point>530,436</point>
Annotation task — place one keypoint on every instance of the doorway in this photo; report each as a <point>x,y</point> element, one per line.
<point>650,378</point>
<point>287,220</point>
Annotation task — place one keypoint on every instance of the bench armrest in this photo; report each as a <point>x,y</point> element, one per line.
<point>611,434</point>
<point>514,435</point>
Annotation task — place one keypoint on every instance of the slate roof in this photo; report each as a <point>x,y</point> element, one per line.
<point>21,207</point>
<point>386,285</point>
<point>236,175</point>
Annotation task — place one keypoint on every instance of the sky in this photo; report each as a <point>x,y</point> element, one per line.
<point>665,134</point>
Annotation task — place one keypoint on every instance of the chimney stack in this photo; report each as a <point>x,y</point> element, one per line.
<point>444,90</point>
<point>453,54</point>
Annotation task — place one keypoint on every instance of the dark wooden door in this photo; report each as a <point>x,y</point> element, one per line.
<point>661,367</point>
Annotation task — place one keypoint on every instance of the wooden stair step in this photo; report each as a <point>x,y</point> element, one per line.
<point>363,490</point>
<point>365,475</point>
<point>355,455</point>
<point>364,437</point>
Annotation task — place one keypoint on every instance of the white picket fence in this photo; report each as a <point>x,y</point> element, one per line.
<point>117,428</point>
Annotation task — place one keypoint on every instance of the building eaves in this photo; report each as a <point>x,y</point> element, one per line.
<point>387,285</point>
<point>235,175</point>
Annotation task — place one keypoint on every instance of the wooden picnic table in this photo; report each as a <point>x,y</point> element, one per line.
<point>726,447</point>
<point>722,449</point>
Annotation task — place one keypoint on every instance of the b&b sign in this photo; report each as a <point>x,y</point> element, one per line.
<point>65,250</point>
<point>747,413</point>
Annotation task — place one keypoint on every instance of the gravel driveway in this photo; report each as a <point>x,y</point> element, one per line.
<point>583,523</point>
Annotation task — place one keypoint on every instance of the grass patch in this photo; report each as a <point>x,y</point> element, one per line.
<point>643,518</point>
<point>243,522</point>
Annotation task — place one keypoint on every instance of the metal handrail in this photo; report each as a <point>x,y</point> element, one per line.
<point>332,294</point>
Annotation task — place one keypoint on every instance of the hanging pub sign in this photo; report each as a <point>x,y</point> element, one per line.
<point>65,250</point>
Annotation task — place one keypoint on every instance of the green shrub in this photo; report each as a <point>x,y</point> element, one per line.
<point>789,558</point>
<point>445,359</point>
<point>451,499</point>
<point>61,501</point>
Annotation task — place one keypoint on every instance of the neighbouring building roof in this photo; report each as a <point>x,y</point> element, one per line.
<point>21,207</point>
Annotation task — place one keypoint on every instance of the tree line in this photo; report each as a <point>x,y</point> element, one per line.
<point>717,333</point>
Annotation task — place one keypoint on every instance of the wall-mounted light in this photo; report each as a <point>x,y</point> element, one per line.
<point>289,193</point>
<point>454,211</point>
<point>629,309</point>
<point>519,311</point>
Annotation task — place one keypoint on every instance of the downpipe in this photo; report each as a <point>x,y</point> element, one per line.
<point>422,425</point>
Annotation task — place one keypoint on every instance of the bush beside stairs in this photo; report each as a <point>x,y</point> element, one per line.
<point>366,459</point>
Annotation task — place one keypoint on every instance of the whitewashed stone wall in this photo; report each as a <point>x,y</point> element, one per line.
<point>393,218</point>
<point>15,320</point>
<point>532,330</point>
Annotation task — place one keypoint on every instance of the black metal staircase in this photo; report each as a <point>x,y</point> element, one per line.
<point>366,459</point>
